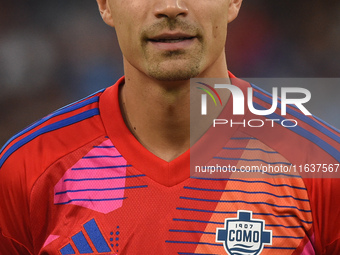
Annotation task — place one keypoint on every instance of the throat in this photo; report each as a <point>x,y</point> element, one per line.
<point>161,124</point>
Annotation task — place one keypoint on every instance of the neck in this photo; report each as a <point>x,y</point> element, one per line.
<point>158,113</point>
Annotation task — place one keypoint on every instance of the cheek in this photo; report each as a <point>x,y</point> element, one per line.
<point>220,22</point>
<point>216,33</point>
<point>214,18</point>
<point>125,17</point>
<point>127,34</point>
<point>219,33</point>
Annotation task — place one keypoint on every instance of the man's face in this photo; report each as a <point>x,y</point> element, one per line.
<point>171,39</point>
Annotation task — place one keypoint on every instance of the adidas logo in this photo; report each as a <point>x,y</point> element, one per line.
<point>81,243</point>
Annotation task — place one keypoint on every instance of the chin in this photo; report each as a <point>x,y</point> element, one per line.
<point>173,77</point>
<point>179,74</point>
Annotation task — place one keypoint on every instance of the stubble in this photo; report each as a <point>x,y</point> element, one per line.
<point>173,65</point>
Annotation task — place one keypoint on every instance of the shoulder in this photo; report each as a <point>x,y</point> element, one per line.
<point>301,138</point>
<point>313,147</point>
<point>52,137</point>
<point>28,155</point>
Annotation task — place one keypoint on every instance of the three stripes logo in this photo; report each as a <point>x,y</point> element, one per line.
<point>204,97</point>
<point>82,244</point>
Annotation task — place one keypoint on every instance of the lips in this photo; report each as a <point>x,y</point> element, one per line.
<point>171,38</point>
<point>172,41</point>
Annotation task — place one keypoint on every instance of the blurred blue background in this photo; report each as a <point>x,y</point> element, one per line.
<point>57,51</point>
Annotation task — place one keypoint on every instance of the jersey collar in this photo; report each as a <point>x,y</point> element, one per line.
<point>164,173</point>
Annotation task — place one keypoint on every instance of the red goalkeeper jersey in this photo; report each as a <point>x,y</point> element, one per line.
<point>78,182</point>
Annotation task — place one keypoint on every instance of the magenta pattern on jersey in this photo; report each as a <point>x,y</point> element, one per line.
<point>96,182</point>
<point>309,249</point>
<point>50,239</point>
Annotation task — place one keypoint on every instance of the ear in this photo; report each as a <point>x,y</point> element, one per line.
<point>105,12</point>
<point>234,8</point>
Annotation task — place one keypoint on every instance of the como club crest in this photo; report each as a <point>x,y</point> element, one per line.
<point>244,235</point>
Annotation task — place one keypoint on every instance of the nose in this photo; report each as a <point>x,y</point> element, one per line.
<point>170,8</point>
